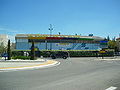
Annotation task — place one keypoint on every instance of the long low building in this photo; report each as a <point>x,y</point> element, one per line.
<point>57,42</point>
<point>118,43</point>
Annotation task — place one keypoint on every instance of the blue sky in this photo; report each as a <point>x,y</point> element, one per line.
<point>99,17</point>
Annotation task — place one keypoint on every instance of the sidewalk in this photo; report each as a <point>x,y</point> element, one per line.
<point>25,64</point>
<point>108,58</point>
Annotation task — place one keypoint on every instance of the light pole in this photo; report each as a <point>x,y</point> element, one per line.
<point>59,33</point>
<point>50,28</point>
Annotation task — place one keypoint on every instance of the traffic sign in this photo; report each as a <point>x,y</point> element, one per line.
<point>102,51</point>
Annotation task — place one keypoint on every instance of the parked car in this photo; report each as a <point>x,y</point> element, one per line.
<point>60,54</point>
<point>117,54</point>
<point>4,55</point>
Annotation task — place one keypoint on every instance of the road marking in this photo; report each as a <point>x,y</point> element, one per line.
<point>111,88</point>
<point>32,68</point>
<point>49,63</point>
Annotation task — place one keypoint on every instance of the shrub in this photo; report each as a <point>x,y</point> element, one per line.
<point>73,53</point>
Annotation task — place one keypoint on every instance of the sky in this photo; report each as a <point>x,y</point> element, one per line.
<point>69,17</point>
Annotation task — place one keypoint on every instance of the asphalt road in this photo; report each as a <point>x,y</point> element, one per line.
<point>71,74</point>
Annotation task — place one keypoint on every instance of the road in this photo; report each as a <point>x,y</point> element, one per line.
<point>71,74</point>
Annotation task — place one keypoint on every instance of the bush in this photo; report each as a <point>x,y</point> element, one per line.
<point>78,53</point>
<point>82,53</point>
<point>73,53</point>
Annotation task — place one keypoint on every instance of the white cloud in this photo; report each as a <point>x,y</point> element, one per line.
<point>8,30</point>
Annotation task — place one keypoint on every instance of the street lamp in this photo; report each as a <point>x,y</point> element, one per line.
<point>50,28</point>
<point>59,33</point>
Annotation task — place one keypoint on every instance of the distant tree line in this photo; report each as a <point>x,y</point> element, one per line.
<point>112,44</point>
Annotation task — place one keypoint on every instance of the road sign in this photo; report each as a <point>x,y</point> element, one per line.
<point>102,51</point>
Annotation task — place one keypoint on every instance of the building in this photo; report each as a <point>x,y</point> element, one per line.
<point>118,44</point>
<point>57,42</point>
<point>3,39</point>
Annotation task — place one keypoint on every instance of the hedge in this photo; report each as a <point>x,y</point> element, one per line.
<point>72,53</point>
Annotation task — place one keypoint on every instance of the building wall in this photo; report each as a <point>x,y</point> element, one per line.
<point>118,44</point>
<point>66,42</point>
<point>58,46</point>
<point>3,39</point>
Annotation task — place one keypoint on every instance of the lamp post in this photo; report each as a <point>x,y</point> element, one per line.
<point>59,33</point>
<point>50,28</point>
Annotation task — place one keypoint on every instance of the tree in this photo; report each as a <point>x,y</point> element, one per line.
<point>9,50</point>
<point>113,39</point>
<point>3,48</point>
<point>111,44</point>
<point>32,52</point>
<point>105,39</point>
<point>108,38</point>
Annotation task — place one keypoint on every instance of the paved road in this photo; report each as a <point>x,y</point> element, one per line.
<point>71,74</point>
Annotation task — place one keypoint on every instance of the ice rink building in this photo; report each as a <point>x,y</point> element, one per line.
<point>57,42</point>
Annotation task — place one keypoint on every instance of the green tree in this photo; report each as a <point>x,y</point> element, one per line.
<point>9,50</point>
<point>2,48</point>
<point>108,38</point>
<point>32,52</point>
<point>113,39</point>
<point>111,44</point>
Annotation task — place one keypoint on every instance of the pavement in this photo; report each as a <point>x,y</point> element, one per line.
<point>83,73</point>
<point>26,64</point>
<point>41,63</point>
<point>108,58</point>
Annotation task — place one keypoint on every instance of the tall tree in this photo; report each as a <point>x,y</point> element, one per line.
<point>9,50</point>
<point>32,52</point>
<point>108,38</point>
<point>113,39</point>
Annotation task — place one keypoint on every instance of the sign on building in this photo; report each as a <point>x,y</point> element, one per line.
<point>103,44</point>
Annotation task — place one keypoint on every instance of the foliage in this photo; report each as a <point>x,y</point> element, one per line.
<point>17,53</point>
<point>79,53</point>
<point>112,44</point>
<point>2,48</point>
<point>12,46</point>
<point>32,52</point>
<point>108,38</point>
<point>73,53</point>
<point>9,50</point>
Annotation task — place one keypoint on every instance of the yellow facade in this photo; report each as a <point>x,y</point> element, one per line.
<point>36,37</point>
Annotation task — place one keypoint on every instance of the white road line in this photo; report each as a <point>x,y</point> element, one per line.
<point>34,67</point>
<point>111,88</point>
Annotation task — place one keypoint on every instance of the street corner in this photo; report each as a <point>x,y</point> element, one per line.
<point>47,63</point>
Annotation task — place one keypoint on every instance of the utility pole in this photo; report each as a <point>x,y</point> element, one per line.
<point>59,33</point>
<point>50,28</point>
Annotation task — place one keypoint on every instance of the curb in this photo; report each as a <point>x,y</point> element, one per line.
<point>107,59</point>
<point>42,60</point>
<point>48,63</point>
